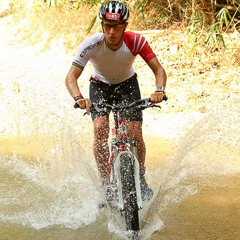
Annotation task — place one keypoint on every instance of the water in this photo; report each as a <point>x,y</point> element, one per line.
<point>53,194</point>
<point>48,180</point>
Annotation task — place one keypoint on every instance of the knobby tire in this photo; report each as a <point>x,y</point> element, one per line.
<point>130,211</point>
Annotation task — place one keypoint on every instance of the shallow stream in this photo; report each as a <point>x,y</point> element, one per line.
<point>48,181</point>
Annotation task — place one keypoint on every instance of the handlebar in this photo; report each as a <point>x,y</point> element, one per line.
<point>140,104</point>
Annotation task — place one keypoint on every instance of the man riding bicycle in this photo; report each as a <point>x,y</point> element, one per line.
<point>114,81</point>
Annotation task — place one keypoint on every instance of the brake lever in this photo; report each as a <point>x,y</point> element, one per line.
<point>165,98</point>
<point>154,105</point>
<point>146,104</point>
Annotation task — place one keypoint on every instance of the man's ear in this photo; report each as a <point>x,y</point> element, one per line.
<point>102,27</point>
<point>125,26</point>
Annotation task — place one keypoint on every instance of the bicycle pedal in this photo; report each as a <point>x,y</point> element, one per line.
<point>111,193</point>
<point>147,194</point>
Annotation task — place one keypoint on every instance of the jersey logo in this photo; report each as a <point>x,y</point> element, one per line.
<point>89,48</point>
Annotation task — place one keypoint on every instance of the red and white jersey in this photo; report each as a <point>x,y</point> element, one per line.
<point>109,66</point>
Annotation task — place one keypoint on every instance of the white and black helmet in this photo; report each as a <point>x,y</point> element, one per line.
<point>114,11</point>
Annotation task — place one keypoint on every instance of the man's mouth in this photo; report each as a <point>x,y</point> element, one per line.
<point>112,38</point>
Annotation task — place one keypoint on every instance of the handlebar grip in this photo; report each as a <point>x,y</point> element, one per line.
<point>165,97</point>
<point>76,105</point>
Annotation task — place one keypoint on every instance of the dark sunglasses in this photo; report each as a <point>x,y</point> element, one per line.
<point>114,26</point>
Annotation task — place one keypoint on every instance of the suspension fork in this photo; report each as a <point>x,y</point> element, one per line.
<point>113,153</point>
<point>133,146</point>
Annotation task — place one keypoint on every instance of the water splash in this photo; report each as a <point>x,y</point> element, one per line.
<point>197,159</point>
<point>58,186</point>
<point>27,199</point>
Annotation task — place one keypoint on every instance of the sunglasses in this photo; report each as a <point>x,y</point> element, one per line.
<point>108,27</point>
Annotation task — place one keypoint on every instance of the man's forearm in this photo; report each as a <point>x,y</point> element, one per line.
<point>161,77</point>
<point>71,81</point>
<point>72,86</point>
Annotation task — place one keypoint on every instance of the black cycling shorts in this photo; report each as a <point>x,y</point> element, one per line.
<point>121,93</point>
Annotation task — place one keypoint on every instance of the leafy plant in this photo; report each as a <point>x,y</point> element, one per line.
<point>91,25</point>
<point>196,23</point>
<point>224,17</point>
<point>214,36</point>
<point>140,5</point>
<point>195,27</point>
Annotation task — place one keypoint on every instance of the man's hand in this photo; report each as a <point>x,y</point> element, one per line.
<point>156,97</point>
<point>85,103</point>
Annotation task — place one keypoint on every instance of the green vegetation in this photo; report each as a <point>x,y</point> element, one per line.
<point>76,18</point>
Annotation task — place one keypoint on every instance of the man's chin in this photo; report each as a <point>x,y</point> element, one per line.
<point>113,43</point>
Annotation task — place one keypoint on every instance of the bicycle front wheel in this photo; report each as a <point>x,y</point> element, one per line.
<point>130,206</point>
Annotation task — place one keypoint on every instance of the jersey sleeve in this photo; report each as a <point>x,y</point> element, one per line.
<point>87,49</point>
<point>137,44</point>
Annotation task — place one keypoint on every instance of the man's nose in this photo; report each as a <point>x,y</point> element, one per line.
<point>112,30</point>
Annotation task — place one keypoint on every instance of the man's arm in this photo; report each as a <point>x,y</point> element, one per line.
<point>161,79</point>
<point>72,86</point>
<point>71,81</point>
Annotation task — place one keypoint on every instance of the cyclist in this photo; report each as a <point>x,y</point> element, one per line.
<point>114,80</point>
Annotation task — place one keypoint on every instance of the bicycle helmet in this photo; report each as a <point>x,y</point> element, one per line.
<point>114,11</point>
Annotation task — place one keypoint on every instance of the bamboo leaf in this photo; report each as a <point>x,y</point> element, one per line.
<point>91,24</point>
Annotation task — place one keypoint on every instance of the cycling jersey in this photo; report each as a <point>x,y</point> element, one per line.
<point>109,66</point>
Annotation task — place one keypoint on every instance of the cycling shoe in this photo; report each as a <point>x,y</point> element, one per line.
<point>146,191</point>
<point>111,193</point>
<point>146,194</point>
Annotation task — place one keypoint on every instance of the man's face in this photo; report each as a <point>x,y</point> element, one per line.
<point>113,31</point>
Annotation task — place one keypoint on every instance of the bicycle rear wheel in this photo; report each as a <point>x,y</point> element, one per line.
<point>130,206</point>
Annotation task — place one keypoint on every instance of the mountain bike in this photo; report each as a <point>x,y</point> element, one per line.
<point>124,166</point>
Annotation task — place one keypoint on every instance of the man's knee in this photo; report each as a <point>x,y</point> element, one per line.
<point>101,127</point>
<point>134,129</point>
